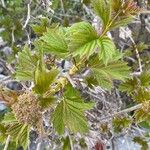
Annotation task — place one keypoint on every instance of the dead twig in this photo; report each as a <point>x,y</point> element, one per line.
<point>136,50</point>
<point>28,15</point>
<point>3,3</point>
<point>7,142</point>
<point>123,111</point>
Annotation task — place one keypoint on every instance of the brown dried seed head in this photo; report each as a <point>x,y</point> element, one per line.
<point>27,109</point>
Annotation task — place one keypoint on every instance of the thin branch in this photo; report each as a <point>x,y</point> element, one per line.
<point>136,50</point>
<point>69,79</point>
<point>62,6</point>
<point>3,3</point>
<point>7,142</point>
<point>39,146</point>
<point>123,111</point>
<point>28,15</point>
<point>12,35</point>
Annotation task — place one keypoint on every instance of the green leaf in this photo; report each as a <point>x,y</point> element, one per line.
<point>121,123</point>
<point>23,136</point>
<point>142,115</point>
<point>121,22</point>
<point>129,86</point>
<point>105,75</point>
<point>43,78</point>
<point>107,49</point>
<point>145,79</point>
<point>20,134</point>
<point>46,102</point>
<point>42,28</point>
<point>142,142</point>
<point>9,118</point>
<point>103,9</point>
<point>142,95</point>
<point>82,39</point>
<point>66,145</point>
<point>69,113</point>
<point>26,65</point>
<point>54,42</point>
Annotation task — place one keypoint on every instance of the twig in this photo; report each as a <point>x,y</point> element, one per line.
<point>3,3</point>
<point>28,15</point>
<point>12,35</point>
<point>130,109</point>
<point>62,6</point>
<point>123,111</point>
<point>7,142</point>
<point>38,146</point>
<point>136,50</point>
<point>69,79</point>
<point>71,144</point>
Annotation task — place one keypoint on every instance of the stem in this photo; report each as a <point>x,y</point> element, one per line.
<point>3,3</point>
<point>62,81</point>
<point>124,111</point>
<point>62,6</point>
<point>136,50</point>
<point>28,15</point>
<point>38,146</point>
<point>7,142</point>
<point>71,144</point>
<point>110,23</point>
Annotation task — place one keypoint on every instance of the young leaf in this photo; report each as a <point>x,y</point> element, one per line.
<point>103,9</point>
<point>121,22</point>
<point>105,75</point>
<point>129,86</point>
<point>20,134</point>
<point>26,65</point>
<point>82,39</point>
<point>145,79</point>
<point>70,113</point>
<point>120,123</point>
<point>142,95</point>
<point>142,114</point>
<point>46,102</point>
<point>42,28</point>
<point>142,142</point>
<point>66,145</point>
<point>107,49</point>
<point>9,118</point>
<point>44,78</point>
<point>54,42</point>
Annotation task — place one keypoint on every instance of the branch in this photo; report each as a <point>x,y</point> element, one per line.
<point>136,50</point>
<point>3,3</point>
<point>28,15</point>
<point>7,142</point>
<point>123,111</point>
<point>62,6</point>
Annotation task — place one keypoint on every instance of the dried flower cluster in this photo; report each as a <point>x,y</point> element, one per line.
<point>27,109</point>
<point>130,8</point>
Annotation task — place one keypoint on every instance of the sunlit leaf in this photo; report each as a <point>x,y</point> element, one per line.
<point>107,49</point>
<point>103,9</point>
<point>70,113</point>
<point>82,39</point>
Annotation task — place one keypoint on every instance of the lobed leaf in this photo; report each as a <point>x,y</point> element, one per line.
<point>82,39</point>
<point>70,113</point>
<point>54,42</point>
<point>26,65</point>
<point>107,49</point>
<point>103,9</point>
<point>43,78</point>
<point>105,75</point>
